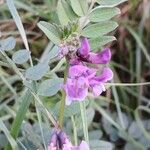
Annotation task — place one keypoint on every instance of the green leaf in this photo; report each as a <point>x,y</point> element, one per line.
<point>7,44</point>
<point>129,146</point>
<point>21,56</point>
<point>100,145</point>
<point>99,29</point>
<point>69,11</point>
<point>111,3</point>
<point>31,135</point>
<point>80,7</point>
<point>3,140</point>
<point>18,22</point>
<point>51,31</point>
<point>52,53</point>
<point>96,43</point>
<point>8,135</point>
<point>37,72</point>
<point>134,130</point>
<point>90,113</point>
<point>50,87</point>
<point>103,14</point>
<point>95,134</point>
<point>63,18</point>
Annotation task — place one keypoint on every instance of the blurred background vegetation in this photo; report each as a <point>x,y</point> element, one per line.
<point>130,62</point>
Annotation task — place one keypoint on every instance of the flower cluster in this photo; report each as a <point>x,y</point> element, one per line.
<point>82,78</point>
<point>60,140</point>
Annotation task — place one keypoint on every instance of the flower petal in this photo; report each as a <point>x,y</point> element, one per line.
<point>106,75</point>
<point>85,48</point>
<point>98,89</point>
<point>77,70</point>
<point>76,89</point>
<point>83,146</point>
<point>75,61</point>
<point>100,58</point>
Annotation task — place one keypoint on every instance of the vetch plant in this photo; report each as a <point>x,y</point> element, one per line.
<point>74,68</point>
<point>79,77</point>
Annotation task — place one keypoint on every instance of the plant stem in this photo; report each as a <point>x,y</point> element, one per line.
<point>84,120</point>
<point>40,124</point>
<point>74,130</point>
<point>62,106</point>
<point>116,97</point>
<point>128,84</point>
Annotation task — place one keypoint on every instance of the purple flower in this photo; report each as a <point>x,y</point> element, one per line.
<point>81,79</point>
<point>60,140</point>
<point>85,55</point>
<point>77,84</point>
<point>97,83</point>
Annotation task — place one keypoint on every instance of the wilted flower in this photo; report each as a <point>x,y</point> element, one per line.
<point>82,79</point>
<point>60,141</point>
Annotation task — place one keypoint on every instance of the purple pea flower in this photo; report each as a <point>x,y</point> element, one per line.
<point>85,55</point>
<point>81,79</point>
<point>77,84</point>
<point>97,83</point>
<point>60,141</point>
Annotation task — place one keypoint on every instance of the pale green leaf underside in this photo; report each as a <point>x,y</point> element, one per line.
<point>100,145</point>
<point>7,44</point>
<point>111,3</point>
<point>51,31</point>
<point>79,7</point>
<point>21,56</point>
<point>54,52</point>
<point>103,14</point>
<point>99,29</point>
<point>50,87</point>
<point>37,72</point>
<point>100,41</point>
<point>69,11</point>
<point>63,18</point>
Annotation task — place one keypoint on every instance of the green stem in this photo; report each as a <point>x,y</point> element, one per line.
<point>62,105</point>
<point>40,124</point>
<point>127,84</point>
<point>84,120</point>
<point>74,130</point>
<point>62,109</point>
